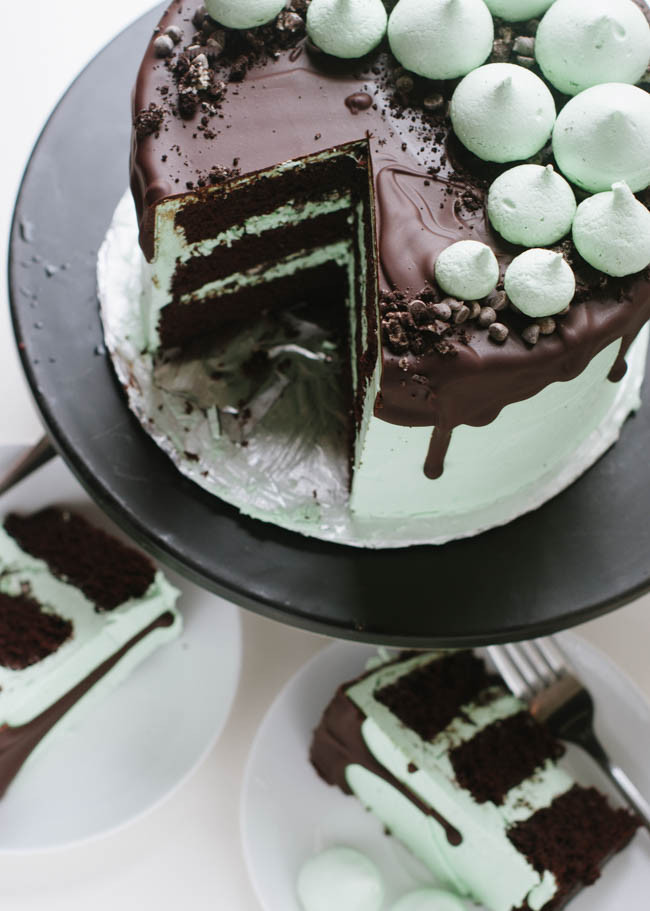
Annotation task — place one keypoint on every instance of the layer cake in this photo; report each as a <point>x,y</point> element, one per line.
<point>455,767</point>
<point>266,172</point>
<point>79,610</point>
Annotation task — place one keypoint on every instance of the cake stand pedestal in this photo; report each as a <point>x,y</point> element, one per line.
<point>582,554</point>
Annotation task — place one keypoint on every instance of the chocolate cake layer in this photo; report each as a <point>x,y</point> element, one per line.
<point>227,206</point>
<point>16,743</point>
<point>108,572</point>
<point>179,322</point>
<point>573,838</point>
<point>283,103</point>
<point>27,632</point>
<point>522,746</point>
<point>428,698</point>
<point>255,250</point>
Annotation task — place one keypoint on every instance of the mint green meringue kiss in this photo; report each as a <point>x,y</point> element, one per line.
<point>531,205</point>
<point>602,136</point>
<point>502,112</point>
<point>580,44</point>
<point>441,39</point>
<point>243,13</point>
<point>346,28</point>
<point>540,283</point>
<point>611,232</point>
<point>468,270</point>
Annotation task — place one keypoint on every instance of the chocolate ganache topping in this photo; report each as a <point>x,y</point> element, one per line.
<point>269,96</point>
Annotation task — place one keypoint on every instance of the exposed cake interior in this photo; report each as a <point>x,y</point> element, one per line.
<point>455,767</point>
<point>302,231</point>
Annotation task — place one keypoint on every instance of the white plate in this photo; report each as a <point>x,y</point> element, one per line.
<point>144,738</point>
<point>288,813</point>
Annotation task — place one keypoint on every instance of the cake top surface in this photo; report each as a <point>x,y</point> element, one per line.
<point>225,104</point>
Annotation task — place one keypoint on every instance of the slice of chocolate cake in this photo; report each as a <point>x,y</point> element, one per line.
<point>78,611</point>
<point>456,768</point>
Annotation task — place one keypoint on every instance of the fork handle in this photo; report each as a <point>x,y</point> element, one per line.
<point>625,786</point>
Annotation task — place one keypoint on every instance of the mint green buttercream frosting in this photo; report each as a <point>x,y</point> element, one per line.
<point>502,112</point>
<point>340,878</point>
<point>429,900</point>
<point>603,136</point>
<point>467,270</point>
<point>612,232</point>
<point>531,205</point>
<point>540,283</point>
<point>243,13</point>
<point>518,10</point>
<point>580,44</point>
<point>441,39</point>
<point>346,28</point>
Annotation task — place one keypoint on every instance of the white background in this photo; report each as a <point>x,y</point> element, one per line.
<point>186,854</point>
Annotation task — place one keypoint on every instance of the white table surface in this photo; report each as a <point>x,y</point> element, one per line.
<point>187,852</point>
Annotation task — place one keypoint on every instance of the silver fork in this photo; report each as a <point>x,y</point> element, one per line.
<point>537,672</point>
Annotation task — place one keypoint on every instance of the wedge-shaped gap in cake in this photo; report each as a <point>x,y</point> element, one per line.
<point>298,234</point>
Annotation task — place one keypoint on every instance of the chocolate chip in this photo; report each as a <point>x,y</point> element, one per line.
<point>498,332</point>
<point>453,304</point>
<point>175,33</point>
<point>528,62</point>
<point>524,46</point>
<point>547,325</point>
<point>474,309</point>
<point>163,46</point>
<point>199,17</point>
<point>531,334</point>
<point>187,102</point>
<point>419,311</point>
<point>499,301</point>
<point>435,102</point>
<point>441,310</point>
<point>461,315</point>
<point>404,84</point>
<point>486,317</point>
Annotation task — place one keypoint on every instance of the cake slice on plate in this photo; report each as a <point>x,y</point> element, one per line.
<point>79,610</point>
<point>457,769</point>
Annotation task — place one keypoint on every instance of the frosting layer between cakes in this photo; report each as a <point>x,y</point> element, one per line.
<point>101,648</point>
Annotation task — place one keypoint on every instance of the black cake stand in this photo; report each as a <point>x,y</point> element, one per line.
<point>582,554</point>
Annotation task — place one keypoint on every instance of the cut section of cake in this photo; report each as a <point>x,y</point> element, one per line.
<point>79,610</point>
<point>457,769</point>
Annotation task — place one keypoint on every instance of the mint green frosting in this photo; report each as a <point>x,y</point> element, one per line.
<point>580,44</point>
<point>346,28</point>
<point>540,283</point>
<point>485,866</point>
<point>502,112</point>
<point>612,232</point>
<point>26,693</point>
<point>518,10</point>
<point>603,136</point>
<point>441,39</point>
<point>531,205</point>
<point>340,878</point>
<point>243,13</point>
<point>468,270</point>
<point>429,900</point>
